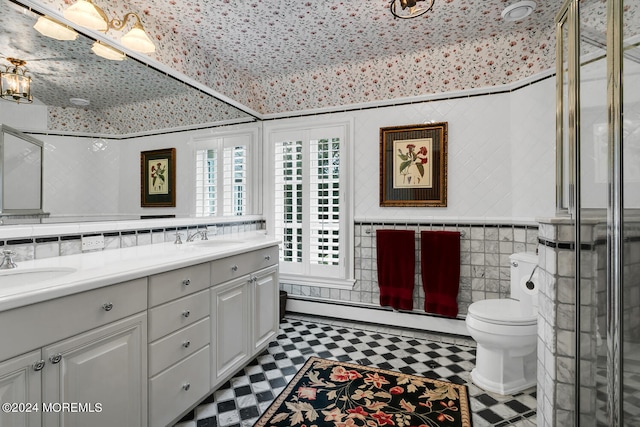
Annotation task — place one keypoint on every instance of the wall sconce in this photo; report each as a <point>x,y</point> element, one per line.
<point>409,8</point>
<point>87,14</point>
<point>15,85</point>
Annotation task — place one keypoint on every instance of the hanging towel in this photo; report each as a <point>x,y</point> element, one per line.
<point>440,263</point>
<point>396,250</point>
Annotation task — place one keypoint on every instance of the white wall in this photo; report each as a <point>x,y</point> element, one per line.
<point>501,160</point>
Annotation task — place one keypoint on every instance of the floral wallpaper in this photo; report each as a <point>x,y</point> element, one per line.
<point>279,56</point>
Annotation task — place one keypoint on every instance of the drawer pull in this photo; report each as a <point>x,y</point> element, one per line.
<point>186,387</point>
<point>56,358</point>
<point>186,344</point>
<point>186,313</point>
<point>234,268</point>
<point>39,365</point>
<point>107,306</point>
<point>267,257</point>
<point>186,282</point>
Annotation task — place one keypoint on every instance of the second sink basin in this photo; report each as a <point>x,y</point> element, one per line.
<point>28,276</point>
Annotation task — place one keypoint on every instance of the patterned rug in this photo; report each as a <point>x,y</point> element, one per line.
<point>327,393</point>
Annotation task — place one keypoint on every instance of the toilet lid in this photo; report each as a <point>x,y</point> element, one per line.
<point>502,312</point>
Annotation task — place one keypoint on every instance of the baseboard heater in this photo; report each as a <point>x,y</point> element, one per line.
<point>377,315</point>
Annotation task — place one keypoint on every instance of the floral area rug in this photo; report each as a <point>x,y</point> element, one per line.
<point>326,393</point>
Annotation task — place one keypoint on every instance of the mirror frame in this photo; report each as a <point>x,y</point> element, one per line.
<point>4,130</point>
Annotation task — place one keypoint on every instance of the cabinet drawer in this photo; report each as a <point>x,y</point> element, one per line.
<point>175,390</point>
<point>238,265</point>
<point>49,321</point>
<point>177,283</point>
<point>167,318</point>
<point>172,348</point>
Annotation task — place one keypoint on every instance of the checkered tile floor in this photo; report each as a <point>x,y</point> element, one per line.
<point>240,401</point>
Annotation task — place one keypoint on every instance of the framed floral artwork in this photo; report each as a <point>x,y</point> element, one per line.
<point>158,178</point>
<point>413,165</point>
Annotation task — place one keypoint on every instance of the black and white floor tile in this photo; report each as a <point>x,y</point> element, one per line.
<point>240,401</point>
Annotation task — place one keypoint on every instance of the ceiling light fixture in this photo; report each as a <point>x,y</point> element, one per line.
<point>87,14</point>
<point>410,8</point>
<point>518,11</point>
<point>15,85</point>
<point>50,28</point>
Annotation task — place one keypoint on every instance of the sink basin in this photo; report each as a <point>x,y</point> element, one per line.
<point>28,276</point>
<point>215,243</point>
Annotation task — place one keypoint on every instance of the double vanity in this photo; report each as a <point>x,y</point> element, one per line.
<point>135,336</point>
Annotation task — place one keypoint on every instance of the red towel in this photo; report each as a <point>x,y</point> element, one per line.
<point>440,263</point>
<point>396,250</point>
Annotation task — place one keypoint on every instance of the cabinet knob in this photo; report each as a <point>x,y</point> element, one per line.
<point>186,282</point>
<point>234,268</point>
<point>267,257</point>
<point>186,313</point>
<point>39,365</point>
<point>107,306</point>
<point>56,358</point>
<point>186,387</point>
<point>186,344</point>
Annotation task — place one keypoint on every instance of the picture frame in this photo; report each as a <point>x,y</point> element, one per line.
<point>413,165</point>
<point>158,178</point>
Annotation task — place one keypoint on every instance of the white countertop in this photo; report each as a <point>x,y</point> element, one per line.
<point>107,267</point>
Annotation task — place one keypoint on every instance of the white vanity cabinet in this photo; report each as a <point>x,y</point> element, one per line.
<point>103,369</point>
<point>80,350</point>
<point>244,309</point>
<point>179,334</point>
<point>20,383</point>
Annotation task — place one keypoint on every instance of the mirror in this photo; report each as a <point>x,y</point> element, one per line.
<point>124,97</point>
<point>20,173</point>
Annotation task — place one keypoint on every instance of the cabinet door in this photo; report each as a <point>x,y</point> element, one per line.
<point>265,307</point>
<point>20,384</point>
<point>103,372</point>
<point>231,326</point>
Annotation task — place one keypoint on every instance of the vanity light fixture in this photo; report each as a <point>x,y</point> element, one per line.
<point>15,85</point>
<point>410,8</point>
<point>518,11</point>
<point>87,14</point>
<point>107,52</point>
<point>50,28</point>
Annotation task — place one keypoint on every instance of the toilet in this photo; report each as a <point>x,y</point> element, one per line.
<point>506,332</point>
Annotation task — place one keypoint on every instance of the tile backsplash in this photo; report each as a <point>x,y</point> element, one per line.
<point>51,240</point>
<point>484,263</point>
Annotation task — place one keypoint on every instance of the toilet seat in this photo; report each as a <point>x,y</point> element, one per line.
<point>506,312</point>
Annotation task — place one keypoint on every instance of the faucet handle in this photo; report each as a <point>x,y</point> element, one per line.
<point>178,240</point>
<point>7,260</point>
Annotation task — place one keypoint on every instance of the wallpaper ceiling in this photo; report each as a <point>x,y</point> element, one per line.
<point>281,56</point>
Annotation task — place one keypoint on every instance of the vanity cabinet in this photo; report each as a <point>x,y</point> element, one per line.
<point>179,334</point>
<point>85,348</point>
<point>20,383</point>
<point>103,369</point>
<point>138,353</point>
<point>244,307</point>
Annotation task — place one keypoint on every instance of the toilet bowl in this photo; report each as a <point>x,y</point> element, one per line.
<point>506,332</point>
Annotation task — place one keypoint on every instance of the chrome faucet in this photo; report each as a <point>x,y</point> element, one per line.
<point>202,233</point>
<point>7,262</point>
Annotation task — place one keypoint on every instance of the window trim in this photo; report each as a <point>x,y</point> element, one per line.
<point>216,139</point>
<point>270,130</point>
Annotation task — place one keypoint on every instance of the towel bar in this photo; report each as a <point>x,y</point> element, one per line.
<point>462,232</point>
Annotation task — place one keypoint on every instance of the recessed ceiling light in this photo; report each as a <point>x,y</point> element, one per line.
<point>518,11</point>
<point>81,102</point>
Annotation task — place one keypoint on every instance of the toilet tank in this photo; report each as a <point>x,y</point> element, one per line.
<point>522,265</point>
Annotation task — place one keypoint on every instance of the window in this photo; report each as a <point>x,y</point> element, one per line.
<point>223,180</point>
<point>311,208</point>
